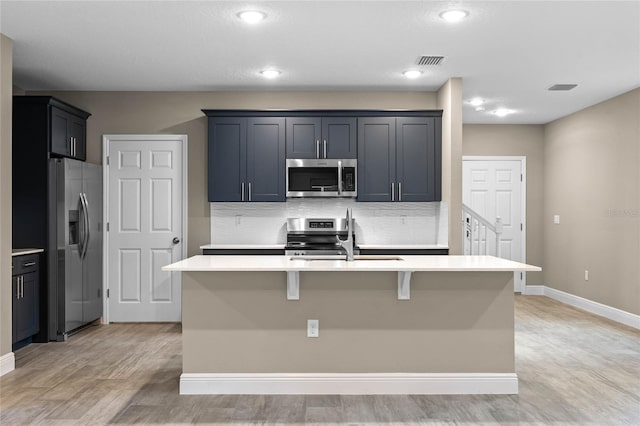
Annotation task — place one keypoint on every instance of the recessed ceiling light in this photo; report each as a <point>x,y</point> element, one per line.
<point>454,15</point>
<point>476,101</point>
<point>412,73</point>
<point>270,73</point>
<point>501,112</point>
<point>252,16</point>
<point>480,108</point>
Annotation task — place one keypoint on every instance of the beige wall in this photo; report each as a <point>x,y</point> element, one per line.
<point>241,322</point>
<point>592,180</point>
<point>449,99</point>
<point>520,140</point>
<point>6,84</point>
<point>179,113</point>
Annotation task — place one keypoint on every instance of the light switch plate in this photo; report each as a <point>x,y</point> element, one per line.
<point>556,219</point>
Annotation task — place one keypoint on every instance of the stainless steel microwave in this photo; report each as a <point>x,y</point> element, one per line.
<point>322,178</point>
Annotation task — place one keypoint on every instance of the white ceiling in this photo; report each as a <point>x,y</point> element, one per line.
<point>506,52</point>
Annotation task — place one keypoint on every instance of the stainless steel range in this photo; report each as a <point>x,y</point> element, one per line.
<point>317,236</point>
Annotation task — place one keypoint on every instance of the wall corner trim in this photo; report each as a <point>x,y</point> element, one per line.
<point>606,311</point>
<point>348,383</point>
<point>7,363</point>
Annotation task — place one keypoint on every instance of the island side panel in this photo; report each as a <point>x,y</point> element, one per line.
<point>455,322</point>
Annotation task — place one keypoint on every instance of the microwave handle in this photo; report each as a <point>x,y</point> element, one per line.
<point>339,176</point>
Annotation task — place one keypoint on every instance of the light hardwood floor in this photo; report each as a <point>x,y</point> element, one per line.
<point>574,368</point>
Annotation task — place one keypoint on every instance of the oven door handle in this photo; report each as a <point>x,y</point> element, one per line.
<point>339,177</point>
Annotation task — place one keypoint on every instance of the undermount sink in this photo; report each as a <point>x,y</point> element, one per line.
<point>356,258</point>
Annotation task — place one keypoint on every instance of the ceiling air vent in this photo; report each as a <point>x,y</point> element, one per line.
<point>564,87</point>
<point>430,60</point>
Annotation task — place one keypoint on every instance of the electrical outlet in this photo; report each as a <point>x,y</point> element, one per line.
<point>586,275</point>
<point>313,328</point>
<point>556,219</point>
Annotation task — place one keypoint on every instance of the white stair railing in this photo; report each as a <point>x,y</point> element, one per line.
<point>475,229</point>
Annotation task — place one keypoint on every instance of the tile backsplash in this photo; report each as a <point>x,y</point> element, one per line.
<point>376,223</point>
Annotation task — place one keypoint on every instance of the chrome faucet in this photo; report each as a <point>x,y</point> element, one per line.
<point>347,244</point>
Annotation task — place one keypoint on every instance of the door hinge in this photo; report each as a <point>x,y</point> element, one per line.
<point>108,160</point>
<point>521,277</point>
<point>107,293</point>
<point>107,226</point>
<point>521,177</point>
<point>521,227</point>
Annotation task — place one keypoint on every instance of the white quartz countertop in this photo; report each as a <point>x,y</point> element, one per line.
<point>204,263</point>
<point>402,246</point>
<point>242,247</point>
<point>20,252</point>
<point>361,246</point>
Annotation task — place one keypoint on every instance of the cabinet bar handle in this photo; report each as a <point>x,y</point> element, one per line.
<point>325,148</point>
<point>242,191</point>
<point>249,191</point>
<point>28,264</point>
<point>317,148</point>
<point>393,191</point>
<point>339,177</point>
<point>21,287</point>
<point>399,191</point>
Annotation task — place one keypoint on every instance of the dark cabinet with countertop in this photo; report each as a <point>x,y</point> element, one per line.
<point>321,137</point>
<point>26,298</point>
<point>246,159</point>
<point>399,159</point>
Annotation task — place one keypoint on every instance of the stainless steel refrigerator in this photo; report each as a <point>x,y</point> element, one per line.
<point>75,262</point>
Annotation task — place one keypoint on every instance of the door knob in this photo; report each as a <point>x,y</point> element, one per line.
<point>176,240</point>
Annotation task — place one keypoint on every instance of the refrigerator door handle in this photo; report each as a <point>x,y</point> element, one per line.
<point>82,227</point>
<point>87,226</point>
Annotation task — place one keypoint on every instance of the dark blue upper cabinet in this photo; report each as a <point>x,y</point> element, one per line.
<point>339,137</point>
<point>376,158</point>
<point>399,153</point>
<point>227,158</point>
<point>416,159</point>
<point>246,159</point>
<point>266,159</point>
<point>399,159</point>
<point>321,137</point>
<point>303,137</point>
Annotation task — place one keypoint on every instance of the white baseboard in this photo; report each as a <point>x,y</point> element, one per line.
<point>7,363</point>
<point>606,311</point>
<point>534,290</point>
<point>349,384</point>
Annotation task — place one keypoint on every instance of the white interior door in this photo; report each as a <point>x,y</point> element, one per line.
<point>494,188</point>
<point>146,226</point>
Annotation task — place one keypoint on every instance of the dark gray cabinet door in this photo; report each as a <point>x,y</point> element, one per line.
<point>25,283</point>
<point>303,137</point>
<point>376,158</point>
<point>227,158</point>
<point>60,143</point>
<point>415,174</point>
<point>68,134</point>
<point>339,137</point>
<point>77,130</point>
<point>266,159</point>
<point>30,324</point>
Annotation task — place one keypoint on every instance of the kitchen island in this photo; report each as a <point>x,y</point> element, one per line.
<point>405,325</point>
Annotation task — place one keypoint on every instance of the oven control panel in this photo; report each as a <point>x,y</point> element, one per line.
<point>313,224</point>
